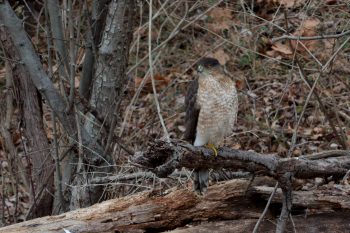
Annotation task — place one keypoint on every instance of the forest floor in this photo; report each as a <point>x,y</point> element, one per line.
<point>293,94</point>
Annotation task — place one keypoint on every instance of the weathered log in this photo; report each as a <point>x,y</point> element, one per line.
<point>327,198</point>
<point>154,211</point>
<point>331,222</point>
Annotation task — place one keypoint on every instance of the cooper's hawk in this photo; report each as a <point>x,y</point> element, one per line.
<point>211,111</point>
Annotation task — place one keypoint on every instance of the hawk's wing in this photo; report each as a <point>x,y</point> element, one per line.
<point>192,112</point>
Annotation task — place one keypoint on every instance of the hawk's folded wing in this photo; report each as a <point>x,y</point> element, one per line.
<point>192,111</point>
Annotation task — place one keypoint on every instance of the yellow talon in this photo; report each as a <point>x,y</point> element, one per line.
<point>212,146</point>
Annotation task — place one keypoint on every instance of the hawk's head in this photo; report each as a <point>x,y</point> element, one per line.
<point>208,67</point>
<point>207,63</point>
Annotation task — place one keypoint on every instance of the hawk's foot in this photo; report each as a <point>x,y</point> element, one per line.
<point>212,146</point>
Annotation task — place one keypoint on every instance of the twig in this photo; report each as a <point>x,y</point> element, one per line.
<point>166,134</point>
<point>55,142</point>
<point>247,49</point>
<point>309,52</point>
<point>173,34</point>
<point>133,176</point>
<point>293,224</point>
<point>58,176</point>
<point>286,185</point>
<point>345,116</point>
<point>340,136</point>
<point>3,203</point>
<point>327,154</point>
<point>265,210</point>
<point>335,54</point>
<point>129,110</point>
<point>71,56</point>
<point>344,180</point>
<point>321,37</point>
<point>43,186</point>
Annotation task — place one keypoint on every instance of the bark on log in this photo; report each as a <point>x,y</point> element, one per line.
<point>154,211</point>
<point>328,198</point>
<point>333,222</point>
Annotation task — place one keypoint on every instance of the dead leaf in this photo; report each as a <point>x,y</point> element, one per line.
<point>221,19</point>
<point>316,136</point>
<point>221,56</point>
<point>266,5</point>
<point>283,49</point>
<point>271,53</point>
<point>161,82</point>
<point>308,28</point>
<point>297,152</point>
<point>290,3</point>
<point>220,14</point>
<point>240,84</point>
<point>236,146</point>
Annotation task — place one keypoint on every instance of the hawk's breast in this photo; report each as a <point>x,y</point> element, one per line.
<point>217,98</point>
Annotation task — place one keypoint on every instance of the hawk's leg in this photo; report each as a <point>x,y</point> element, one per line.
<point>212,146</point>
<point>201,175</point>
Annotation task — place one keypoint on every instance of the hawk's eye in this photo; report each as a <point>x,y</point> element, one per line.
<point>200,68</point>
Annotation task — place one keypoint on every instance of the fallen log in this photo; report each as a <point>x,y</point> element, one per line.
<point>326,198</point>
<point>330,222</point>
<point>156,211</point>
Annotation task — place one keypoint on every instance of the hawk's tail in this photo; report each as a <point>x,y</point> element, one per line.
<point>201,180</point>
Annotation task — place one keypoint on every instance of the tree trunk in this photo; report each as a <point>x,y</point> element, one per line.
<point>57,32</point>
<point>37,142</point>
<point>12,26</point>
<point>107,90</point>
<point>93,38</point>
<point>113,59</point>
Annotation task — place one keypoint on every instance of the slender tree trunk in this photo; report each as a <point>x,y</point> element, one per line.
<point>93,39</point>
<point>57,31</point>
<point>36,140</point>
<point>107,89</point>
<point>113,58</point>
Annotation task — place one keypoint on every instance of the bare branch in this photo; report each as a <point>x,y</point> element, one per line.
<point>163,158</point>
<point>321,37</point>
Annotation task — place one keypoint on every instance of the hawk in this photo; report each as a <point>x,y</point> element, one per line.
<point>211,111</point>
